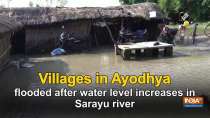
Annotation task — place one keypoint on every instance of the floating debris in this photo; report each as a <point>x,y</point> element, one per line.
<point>27,65</point>
<point>16,64</point>
<point>58,51</point>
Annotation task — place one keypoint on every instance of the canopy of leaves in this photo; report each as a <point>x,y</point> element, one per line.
<point>198,9</point>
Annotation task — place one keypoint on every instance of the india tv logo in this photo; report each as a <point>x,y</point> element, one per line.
<point>193,102</point>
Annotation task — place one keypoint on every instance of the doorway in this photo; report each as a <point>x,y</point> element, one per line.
<point>18,42</point>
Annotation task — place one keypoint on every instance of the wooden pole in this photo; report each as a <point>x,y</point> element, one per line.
<point>108,29</point>
<point>194,32</point>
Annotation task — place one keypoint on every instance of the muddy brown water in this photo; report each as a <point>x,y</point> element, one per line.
<point>189,68</point>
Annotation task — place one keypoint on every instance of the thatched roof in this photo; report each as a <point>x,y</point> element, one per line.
<point>33,16</point>
<point>7,24</point>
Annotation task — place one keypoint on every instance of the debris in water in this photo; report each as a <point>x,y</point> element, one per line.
<point>156,43</point>
<point>27,65</point>
<point>58,51</point>
<point>16,64</point>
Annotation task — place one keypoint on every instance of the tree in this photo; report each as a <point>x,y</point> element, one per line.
<point>8,3</point>
<point>136,1</point>
<point>63,2</point>
<point>170,7</point>
<point>31,4</point>
<point>198,9</point>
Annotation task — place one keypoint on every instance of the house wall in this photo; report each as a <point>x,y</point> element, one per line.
<point>153,30</point>
<point>5,47</point>
<point>43,38</point>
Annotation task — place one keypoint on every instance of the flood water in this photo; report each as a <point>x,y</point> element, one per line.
<point>190,64</point>
<point>189,68</point>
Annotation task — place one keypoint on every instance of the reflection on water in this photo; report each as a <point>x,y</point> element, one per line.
<point>189,65</point>
<point>189,68</point>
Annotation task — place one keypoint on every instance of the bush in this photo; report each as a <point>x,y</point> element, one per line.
<point>199,10</point>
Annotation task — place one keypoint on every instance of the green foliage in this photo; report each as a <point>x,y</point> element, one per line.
<point>198,9</point>
<point>63,2</point>
<point>136,1</point>
<point>170,6</point>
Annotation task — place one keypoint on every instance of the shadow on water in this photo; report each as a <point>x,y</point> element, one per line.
<point>180,51</point>
<point>24,78</point>
<point>109,51</point>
